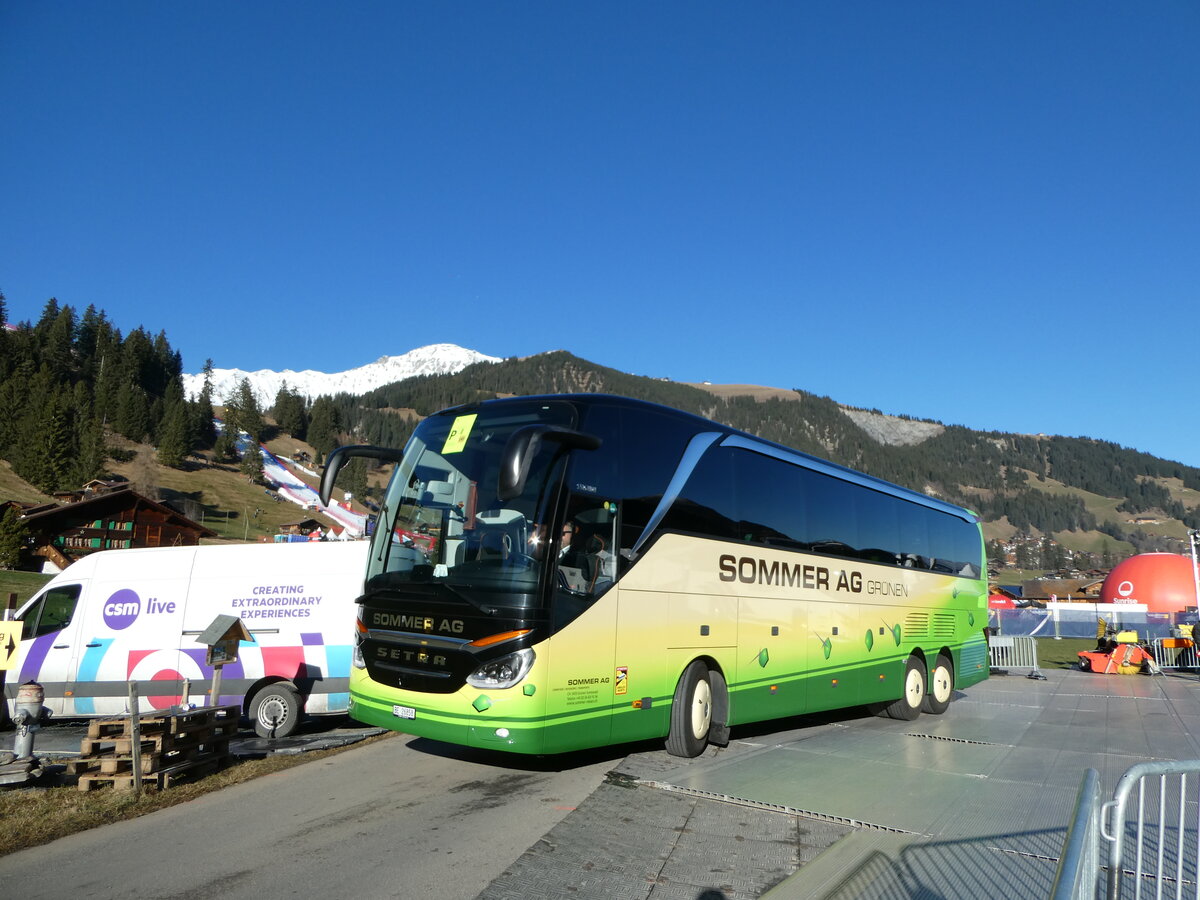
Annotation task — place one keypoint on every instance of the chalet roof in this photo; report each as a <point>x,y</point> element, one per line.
<point>24,509</point>
<point>53,518</point>
<point>303,523</point>
<point>1044,588</point>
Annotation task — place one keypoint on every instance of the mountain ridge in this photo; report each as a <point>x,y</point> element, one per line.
<point>432,359</point>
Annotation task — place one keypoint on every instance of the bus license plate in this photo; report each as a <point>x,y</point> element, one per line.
<point>404,712</point>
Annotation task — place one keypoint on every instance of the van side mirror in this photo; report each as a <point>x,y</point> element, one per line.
<point>523,446</point>
<point>342,455</point>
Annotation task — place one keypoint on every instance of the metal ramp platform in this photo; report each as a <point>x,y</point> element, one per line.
<point>971,804</point>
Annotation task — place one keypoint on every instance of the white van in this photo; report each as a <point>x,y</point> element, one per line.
<point>134,615</point>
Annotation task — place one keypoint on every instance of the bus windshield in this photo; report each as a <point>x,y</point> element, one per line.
<point>442,521</point>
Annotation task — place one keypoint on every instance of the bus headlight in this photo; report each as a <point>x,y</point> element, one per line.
<point>360,632</point>
<point>503,672</point>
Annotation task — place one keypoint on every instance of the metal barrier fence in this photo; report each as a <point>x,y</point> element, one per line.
<point>1152,831</point>
<point>1171,657</point>
<point>1079,866</point>
<point>1078,620</point>
<point>1014,652</point>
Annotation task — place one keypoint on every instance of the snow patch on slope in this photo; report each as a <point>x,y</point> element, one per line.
<point>434,359</point>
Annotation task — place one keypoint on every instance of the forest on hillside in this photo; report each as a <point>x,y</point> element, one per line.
<point>75,392</point>
<point>986,471</point>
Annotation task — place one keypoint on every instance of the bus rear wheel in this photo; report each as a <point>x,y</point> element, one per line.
<point>691,712</point>
<point>908,707</point>
<point>941,686</point>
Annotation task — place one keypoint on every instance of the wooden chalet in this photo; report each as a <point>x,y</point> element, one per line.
<point>1080,590</point>
<point>116,519</point>
<point>304,527</point>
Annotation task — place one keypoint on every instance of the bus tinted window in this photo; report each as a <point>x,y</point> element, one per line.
<point>832,521</point>
<point>641,452</point>
<point>749,497</point>
<point>706,505</point>
<point>770,501</point>
<point>878,526</point>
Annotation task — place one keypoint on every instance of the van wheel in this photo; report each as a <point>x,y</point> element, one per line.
<point>941,686</point>
<point>908,707</point>
<point>275,710</point>
<point>691,712</point>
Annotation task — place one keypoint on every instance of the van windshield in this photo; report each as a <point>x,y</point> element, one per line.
<point>442,521</point>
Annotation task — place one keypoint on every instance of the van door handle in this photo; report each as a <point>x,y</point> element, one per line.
<point>96,644</point>
<point>61,646</point>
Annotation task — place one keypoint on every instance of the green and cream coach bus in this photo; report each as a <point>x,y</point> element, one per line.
<point>559,572</point>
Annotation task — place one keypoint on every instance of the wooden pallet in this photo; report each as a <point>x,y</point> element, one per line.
<point>151,760</point>
<point>173,744</point>
<point>161,742</point>
<point>158,780</point>
<point>175,721</point>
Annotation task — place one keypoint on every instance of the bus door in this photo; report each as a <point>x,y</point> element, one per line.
<point>584,682</point>
<point>50,644</point>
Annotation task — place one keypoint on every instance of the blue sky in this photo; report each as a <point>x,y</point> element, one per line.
<point>985,214</point>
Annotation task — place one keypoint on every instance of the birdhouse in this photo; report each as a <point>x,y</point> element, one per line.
<point>222,638</point>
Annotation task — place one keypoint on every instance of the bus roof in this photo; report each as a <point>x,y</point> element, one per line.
<point>744,440</point>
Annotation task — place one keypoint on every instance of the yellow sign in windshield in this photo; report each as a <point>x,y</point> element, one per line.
<point>456,440</point>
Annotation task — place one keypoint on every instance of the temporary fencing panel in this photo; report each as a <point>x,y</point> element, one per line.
<point>1079,867</point>
<point>1014,652</point>
<point>1152,831</point>
<point>1065,620</point>
<point>1175,653</point>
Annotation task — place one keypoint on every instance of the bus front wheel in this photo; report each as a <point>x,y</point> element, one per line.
<point>908,707</point>
<point>941,686</point>
<point>691,712</point>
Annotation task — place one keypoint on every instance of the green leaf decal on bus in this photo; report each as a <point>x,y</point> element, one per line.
<point>971,619</point>
<point>870,638</point>
<point>529,690</point>
<point>896,633</point>
<point>827,646</point>
<point>481,703</point>
<point>763,657</point>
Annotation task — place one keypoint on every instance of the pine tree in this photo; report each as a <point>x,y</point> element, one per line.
<point>242,412</point>
<point>204,428</point>
<point>133,412</point>
<point>225,446</point>
<point>93,452</point>
<point>355,482</point>
<point>323,426</point>
<point>289,412</point>
<point>173,444</point>
<point>252,465</point>
<point>58,450</point>
<point>13,536</point>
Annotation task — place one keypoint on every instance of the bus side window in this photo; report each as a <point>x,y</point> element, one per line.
<point>52,612</point>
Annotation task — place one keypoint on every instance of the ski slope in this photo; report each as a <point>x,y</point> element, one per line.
<point>289,486</point>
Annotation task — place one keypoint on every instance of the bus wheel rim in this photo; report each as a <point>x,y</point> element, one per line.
<point>701,708</point>
<point>914,688</point>
<point>941,684</point>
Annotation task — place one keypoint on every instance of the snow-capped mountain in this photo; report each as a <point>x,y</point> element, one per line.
<point>436,359</point>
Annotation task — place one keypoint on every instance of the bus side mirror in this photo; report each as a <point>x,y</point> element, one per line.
<point>523,446</point>
<point>342,455</point>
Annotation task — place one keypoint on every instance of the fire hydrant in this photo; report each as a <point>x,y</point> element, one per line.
<point>28,715</point>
